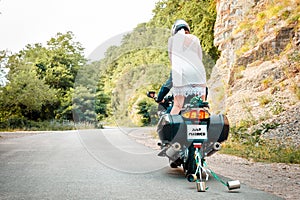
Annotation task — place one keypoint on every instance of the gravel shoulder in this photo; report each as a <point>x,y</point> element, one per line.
<point>280,179</point>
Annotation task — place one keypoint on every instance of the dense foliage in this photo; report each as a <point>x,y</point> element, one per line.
<point>41,80</point>
<point>141,62</point>
<point>55,81</point>
<point>200,15</point>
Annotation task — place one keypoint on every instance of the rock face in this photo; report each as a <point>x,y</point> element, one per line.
<point>256,80</point>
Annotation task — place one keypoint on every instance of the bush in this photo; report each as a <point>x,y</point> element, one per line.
<point>19,123</point>
<point>252,145</point>
<point>16,122</point>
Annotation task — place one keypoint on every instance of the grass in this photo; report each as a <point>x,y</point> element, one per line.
<point>266,83</point>
<point>52,125</point>
<point>238,72</point>
<point>253,146</point>
<point>296,90</point>
<point>266,153</point>
<point>264,100</point>
<point>277,108</point>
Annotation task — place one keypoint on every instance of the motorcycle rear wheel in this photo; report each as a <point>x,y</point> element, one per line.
<point>190,165</point>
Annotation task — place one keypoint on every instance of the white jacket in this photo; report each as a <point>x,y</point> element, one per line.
<point>185,53</point>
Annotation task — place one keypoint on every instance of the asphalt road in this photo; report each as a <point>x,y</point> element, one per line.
<point>98,164</point>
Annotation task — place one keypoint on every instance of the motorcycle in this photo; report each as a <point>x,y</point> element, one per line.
<point>188,138</point>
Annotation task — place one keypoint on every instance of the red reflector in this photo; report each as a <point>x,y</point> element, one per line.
<point>198,145</point>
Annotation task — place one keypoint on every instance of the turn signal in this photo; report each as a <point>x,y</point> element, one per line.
<point>201,114</point>
<point>196,114</point>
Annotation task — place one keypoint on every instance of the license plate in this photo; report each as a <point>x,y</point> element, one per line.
<point>197,132</point>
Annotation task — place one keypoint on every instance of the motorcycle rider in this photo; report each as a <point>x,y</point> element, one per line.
<point>188,76</point>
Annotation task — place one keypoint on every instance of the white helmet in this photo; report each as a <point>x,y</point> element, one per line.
<point>179,24</point>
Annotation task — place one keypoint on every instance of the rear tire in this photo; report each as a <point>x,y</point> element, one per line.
<point>190,165</point>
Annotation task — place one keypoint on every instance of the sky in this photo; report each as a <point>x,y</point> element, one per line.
<point>93,22</point>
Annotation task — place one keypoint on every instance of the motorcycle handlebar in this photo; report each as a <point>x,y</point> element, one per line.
<point>151,94</point>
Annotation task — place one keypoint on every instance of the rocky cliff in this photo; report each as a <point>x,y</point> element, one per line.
<point>256,80</point>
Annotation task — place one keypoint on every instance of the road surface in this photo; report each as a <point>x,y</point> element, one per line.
<point>98,164</point>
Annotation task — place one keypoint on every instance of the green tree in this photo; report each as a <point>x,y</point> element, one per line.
<point>57,64</point>
<point>25,95</point>
<point>3,70</point>
<point>63,59</point>
<point>84,105</point>
<point>88,89</point>
<point>101,102</point>
<point>128,69</point>
<point>42,79</point>
<point>201,16</point>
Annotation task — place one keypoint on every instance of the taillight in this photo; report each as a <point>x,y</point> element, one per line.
<point>201,114</point>
<point>196,114</point>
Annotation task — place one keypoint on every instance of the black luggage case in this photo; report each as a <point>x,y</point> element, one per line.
<point>173,128</point>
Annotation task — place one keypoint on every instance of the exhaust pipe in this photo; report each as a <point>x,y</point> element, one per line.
<point>173,150</point>
<point>174,164</point>
<point>191,177</point>
<point>217,146</point>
